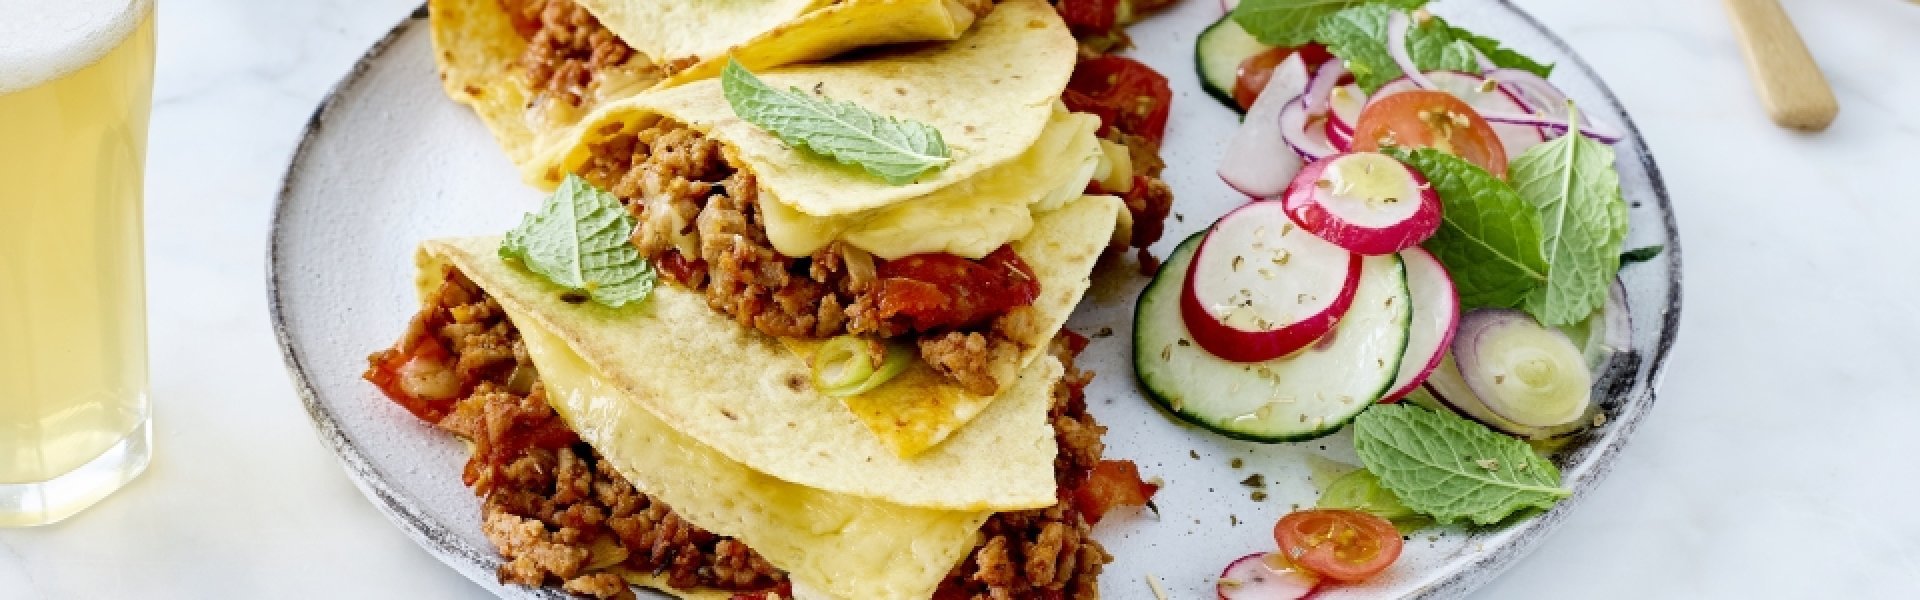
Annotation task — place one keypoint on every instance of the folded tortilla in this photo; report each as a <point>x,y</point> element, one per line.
<point>677,41</point>
<point>752,400</point>
<point>1020,164</point>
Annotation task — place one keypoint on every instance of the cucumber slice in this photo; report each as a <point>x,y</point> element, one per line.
<point>1308,394</point>
<point>1218,53</point>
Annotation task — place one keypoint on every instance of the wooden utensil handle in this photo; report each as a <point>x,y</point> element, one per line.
<point>1790,83</point>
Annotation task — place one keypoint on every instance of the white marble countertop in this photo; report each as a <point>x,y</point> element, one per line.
<point>1777,462</point>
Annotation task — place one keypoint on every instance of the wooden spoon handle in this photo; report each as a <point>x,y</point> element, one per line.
<point>1790,83</point>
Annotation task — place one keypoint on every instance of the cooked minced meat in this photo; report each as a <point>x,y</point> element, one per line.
<point>557,513</point>
<point>571,58</point>
<point>554,510</point>
<point>699,219</point>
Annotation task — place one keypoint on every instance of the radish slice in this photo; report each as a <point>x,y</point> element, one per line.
<point>1341,141</point>
<point>1260,287</point>
<point>1447,386</point>
<point>1485,98</point>
<point>1344,104</point>
<point>1296,126</point>
<point>1436,313</point>
<point>1259,162</point>
<point>1366,202</point>
<point>1522,371</point>
<point>1265,576</point>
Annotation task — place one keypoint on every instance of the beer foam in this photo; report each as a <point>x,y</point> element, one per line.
<point>41,40</point>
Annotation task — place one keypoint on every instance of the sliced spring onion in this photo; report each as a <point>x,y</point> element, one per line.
<point>844,366</point>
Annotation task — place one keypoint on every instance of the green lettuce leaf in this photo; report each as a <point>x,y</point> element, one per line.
<point>1571,182</point>
<point>1452,469</point>
<point>1489,238</point>
<point>1296,22</point>
<point>896,150</point>
<point>578,240</point>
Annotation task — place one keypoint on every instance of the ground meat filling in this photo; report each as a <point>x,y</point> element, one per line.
<point>571,61</point>
<point>554,510</point>
<point>559,514</point>
<point>699,219</point>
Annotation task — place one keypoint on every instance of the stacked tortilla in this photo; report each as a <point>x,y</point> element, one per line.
<point>877,495</point>
<point>623,47</point>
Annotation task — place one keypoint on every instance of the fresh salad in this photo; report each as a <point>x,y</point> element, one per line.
<point>1429,219</point>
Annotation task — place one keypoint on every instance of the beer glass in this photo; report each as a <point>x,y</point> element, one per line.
<point>76,87</point>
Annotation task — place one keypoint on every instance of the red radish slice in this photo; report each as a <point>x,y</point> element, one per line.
<point>1523,371</point>
<point>1485,98</point>
<point>1366,202</point>
<point>1265,576</point>
<point>1260,287</point>
<point>1436,313</point>
<point>1340,140</point>
<point>1259,162</point>
<point>1344,104</point>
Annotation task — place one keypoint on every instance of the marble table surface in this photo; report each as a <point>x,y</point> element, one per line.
<point>1776,464</point>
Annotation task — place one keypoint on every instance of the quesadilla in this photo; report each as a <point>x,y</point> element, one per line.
<point>532,68</point>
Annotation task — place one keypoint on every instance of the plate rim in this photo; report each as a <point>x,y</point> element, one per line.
<point>442,543</point>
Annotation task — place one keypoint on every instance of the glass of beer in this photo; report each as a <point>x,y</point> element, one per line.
<point>76,88</point>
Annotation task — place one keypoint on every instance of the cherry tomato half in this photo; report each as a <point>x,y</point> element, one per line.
<point>1430,119</point>
<point>1343,545</point>
<point>1257,70</point>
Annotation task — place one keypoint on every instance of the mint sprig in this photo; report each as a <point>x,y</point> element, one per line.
<point>1489,237</point>
<point>578,240</point>
<point>1452,469</point>
<point>896,150</point>
<point>1571,183</point>
<point>1296,22</point>
<point>1502,56</point>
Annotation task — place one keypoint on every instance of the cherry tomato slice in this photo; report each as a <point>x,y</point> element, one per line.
<point>1125,93</point>
<point>1257,70</point>
<point>1343,545</point>
<point>1430,119</point>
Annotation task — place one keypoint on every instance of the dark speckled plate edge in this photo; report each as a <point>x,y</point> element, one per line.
<point>480,566</point>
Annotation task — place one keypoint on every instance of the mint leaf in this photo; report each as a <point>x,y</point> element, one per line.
<point>892,149</point>
<point>1358,36</point>
<point>1452,469</point>
<point>1502,56</point>
<point>1641,254</point>
<point>578,240</point>
<point>1296,22</point>
<point>1489,238</point>
<point>1570,181</point>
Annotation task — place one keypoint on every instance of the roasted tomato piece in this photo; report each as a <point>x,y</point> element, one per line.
<point>1125,93</point>
<point>940,291</point>
<point>1112,484</point>
<point>1101,16</point>
<point>417,374</point>
<point>1148,202</point>
<point>679,269</point>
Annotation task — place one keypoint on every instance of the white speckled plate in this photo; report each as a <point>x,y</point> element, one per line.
<point>388,161</point>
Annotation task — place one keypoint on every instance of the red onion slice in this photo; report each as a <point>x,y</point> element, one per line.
<point>1320,90</point>
<point>1260,160</point>
<point>1547,101</point>
<point>1294,127</point>
<point>1398,23</point>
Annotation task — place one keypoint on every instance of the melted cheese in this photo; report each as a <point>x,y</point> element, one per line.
<point>841,546</point>
<point>971,218</point>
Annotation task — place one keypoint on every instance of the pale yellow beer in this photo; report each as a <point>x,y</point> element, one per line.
<point>76,81</point>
